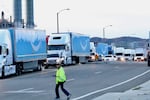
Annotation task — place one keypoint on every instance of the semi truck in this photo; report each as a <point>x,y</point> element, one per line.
<point>129,54</point>
<point>140,54</point>
<point>69,47</point>
<point>119,53</point>
<point>21,50</point>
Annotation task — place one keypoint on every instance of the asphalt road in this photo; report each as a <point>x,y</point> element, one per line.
<point>85,81</point>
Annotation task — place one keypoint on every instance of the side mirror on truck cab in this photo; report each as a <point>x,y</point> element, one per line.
<point>7,51</point>
<point>67,48</point>
<point>0,50</point>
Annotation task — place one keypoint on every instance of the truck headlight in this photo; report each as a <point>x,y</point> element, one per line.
<point>135,58</point>
<point>92,57</point>
<point>122,59</point>
<point>142,58</point>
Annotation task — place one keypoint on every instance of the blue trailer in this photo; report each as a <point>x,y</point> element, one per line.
<point>110,50</point>
<point>70,47</point>
<point>102,49</point>
<point>21,50</point>
<point>80,47</point>
<point>80,44</point>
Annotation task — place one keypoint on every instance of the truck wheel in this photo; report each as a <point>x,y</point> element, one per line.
<point>148,63</point>
<point>3,73</point>
<point>39,67</point>
<point>18,70</point>
<point>46,66</point>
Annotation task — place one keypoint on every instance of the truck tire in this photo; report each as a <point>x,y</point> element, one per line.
<point>148,63</point>
<point>39,68</point>
<point>18,70</point>
<point>46,66</point>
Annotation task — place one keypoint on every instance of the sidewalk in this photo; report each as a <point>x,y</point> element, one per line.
<point>141,92</point>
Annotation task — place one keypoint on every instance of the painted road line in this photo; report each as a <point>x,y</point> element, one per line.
<point>110,87</point>
<point>70,80</point>
<point>28,90</point>
<point>34,91</point>
<point>18,91</point>
<point>98,72</point>
<point>117,67</point>
<point>47,71</point>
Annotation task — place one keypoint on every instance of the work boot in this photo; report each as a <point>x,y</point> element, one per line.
<point>68,97</point>
<point>57,98</point>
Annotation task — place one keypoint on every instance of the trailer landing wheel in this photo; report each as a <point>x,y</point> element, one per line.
<point>39,67</point>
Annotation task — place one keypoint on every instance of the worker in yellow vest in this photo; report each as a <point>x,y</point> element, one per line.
<point>60,80</point>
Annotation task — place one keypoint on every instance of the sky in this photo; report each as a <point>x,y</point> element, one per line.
<point>127,17</point>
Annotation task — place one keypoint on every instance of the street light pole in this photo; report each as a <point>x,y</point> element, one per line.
<point>57,22</point>
<point>104,31</point>
<point>58,18</point>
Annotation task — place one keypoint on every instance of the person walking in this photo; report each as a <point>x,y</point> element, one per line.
<point>60,80</point>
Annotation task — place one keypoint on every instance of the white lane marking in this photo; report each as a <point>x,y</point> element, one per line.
<point>117,67</point>
<point>70,80</point>
<point>98,72</point>
<point>49,71</point>
<point>18,91</point>
<point>110,87</point>
<point>28,90</point>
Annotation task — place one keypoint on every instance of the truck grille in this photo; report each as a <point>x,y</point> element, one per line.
<point>51,61</point>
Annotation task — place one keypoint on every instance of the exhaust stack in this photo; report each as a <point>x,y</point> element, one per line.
<point>29,14</point>
<point>18,13</point>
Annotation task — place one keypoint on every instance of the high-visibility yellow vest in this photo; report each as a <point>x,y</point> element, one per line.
<point>60,75</point>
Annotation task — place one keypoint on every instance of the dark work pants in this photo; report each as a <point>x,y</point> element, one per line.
<point>62,88</point>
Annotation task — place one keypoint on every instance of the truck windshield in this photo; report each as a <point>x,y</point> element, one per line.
<point>119,54</point>
<point>0,50</point>
<point>139,54</point>
<point>126,54</point>
<point>56,47</point>
<point>52,55</point>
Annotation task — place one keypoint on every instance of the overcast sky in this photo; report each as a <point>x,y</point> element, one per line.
<point>127,17</point>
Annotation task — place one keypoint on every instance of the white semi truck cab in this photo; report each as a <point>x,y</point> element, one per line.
<point>140,54</point>
<point>3,50</point>
<point>8,69</point>
<point>119,53</point>
<point>69,47</point>
<point>52,58</point>
<point>129,54</point>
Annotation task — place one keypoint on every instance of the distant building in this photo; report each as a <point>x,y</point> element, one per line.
<point>140,44</point>
<point>5,23</point>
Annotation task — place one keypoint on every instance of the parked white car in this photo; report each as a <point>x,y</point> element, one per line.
<point>100,58</point>
<point>109,58</point>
